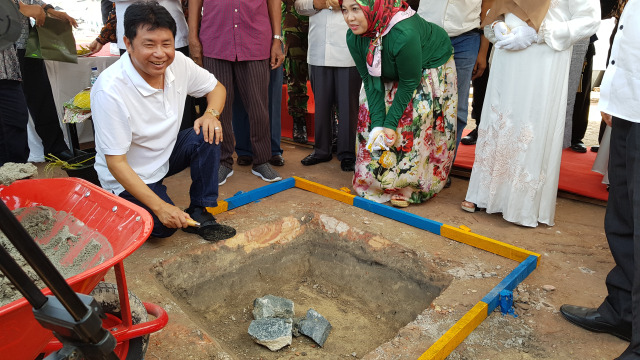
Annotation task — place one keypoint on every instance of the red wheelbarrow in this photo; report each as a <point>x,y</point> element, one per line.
<point>125,226</point>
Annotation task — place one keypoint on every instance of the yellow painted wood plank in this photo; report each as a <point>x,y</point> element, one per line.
<point>456,334</point>
<point>222,207</point>
<point>488,244</point>
<point>323,190</point>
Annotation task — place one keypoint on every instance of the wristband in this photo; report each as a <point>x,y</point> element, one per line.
<point>47,7</point>
<point>279,37</point>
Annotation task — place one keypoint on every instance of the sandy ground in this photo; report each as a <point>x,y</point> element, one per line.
<point>575,261</point>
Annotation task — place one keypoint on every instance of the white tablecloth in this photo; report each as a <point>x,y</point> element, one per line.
<point>67,80</point>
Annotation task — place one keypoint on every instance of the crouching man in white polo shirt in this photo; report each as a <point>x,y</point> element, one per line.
<point>137,105</point>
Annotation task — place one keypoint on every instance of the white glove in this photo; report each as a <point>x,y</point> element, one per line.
<point>523,37</point>
<point>376,140</point>
<point>501,30</point>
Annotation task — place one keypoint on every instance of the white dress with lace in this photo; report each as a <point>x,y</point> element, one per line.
<point>517,160</point>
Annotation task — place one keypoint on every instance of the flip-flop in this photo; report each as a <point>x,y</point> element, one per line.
<point>399,203</point>
<point>469,208</point>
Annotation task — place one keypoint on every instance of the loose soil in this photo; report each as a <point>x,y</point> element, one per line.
<point>59,235</point>
<point>366,287</point>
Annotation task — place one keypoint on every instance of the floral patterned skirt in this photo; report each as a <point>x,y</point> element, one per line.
<point>417,166</point>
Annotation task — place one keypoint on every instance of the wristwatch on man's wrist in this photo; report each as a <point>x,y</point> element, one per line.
<point>213,112</point>
<point>279,37</point>
<point>47,7</point>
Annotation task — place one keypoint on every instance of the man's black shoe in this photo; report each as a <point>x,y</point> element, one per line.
<point>590,319</point>
<point>244,160</point>
<point>578,147</point>
<point>471,138</point>
<point>209,229</point>
<point>276,160</point>
<point>448,183</point>
<point>67,155</point>
<point>312,160</point>
<point>348,164</point>
<point>595,148</point>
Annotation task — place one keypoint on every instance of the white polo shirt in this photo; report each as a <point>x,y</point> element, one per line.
<point>620,87</point>
<point>456,17</point>
<point>132,118</point>
<point>327,36</point>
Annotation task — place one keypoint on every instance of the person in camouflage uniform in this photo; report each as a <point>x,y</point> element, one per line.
<point>296,28</point>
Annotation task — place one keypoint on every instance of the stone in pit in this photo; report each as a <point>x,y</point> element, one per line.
<point>272,333</point>
<point>270,306</point>
<point>315,326</point>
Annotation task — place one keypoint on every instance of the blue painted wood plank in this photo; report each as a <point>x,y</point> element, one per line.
<point>510,282</point>
<point>259,193</point>
<point>398,215</point>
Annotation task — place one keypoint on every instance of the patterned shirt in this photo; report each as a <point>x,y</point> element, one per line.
<point>22,41</point>
<point>9,65</point>
<point>236,30</point>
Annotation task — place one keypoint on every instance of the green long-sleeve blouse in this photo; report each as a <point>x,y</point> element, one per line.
<point>411,46</point>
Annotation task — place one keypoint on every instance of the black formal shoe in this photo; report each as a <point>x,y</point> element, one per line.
<point>276,160</point>
<point>471,138</point>
<point>66,155</point>
<point>244,160</point>
<point>312,160</point>
<point>595,148</point>
<point>348,164</point>
<point>590,319</point>
<point>578,147</point>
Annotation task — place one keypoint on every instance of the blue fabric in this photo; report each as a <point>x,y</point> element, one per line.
<point>465,54</point>
<point>241,118</point>
<point>203,158</point>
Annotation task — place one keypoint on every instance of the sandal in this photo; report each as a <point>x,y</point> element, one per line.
<point>469,206</point>
<point>399,202</point>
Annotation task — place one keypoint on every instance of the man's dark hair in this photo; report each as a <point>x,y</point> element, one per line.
<point>149,14</point>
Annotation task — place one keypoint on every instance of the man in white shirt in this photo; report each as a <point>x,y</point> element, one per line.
<point>137,106</point>
<point>619,103</point>
<point>335,82</point>
<point>461,20</point>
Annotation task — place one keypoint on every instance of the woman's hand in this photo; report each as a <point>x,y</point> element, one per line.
<point>335,4</point>
<point>61,15</point>
<point>95,46</point>
<point>33,11</point>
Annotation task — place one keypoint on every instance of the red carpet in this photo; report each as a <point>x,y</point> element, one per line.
<point>287,120</point>
<point>576,176</point>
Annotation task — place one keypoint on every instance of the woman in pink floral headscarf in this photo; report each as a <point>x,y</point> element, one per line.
<point>408,104</point>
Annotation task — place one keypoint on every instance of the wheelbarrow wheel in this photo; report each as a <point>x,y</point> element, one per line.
<point>106,294</point>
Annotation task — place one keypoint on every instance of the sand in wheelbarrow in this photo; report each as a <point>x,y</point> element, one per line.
<point>70,245</point>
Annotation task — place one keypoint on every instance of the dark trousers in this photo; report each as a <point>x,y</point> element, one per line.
<point>622,227</point>
<point>252,81</point>
<point>583,98</point>
<point>479,90</point>
<point>13,123</point>
<point>242,127</point>
<point>339,86</point>
<point>203,158</point>
<point>42,106</point>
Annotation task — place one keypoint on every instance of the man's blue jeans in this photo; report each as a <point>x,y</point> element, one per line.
<point>241,118</point>
<point>203,158</point>
<point>465,54</point>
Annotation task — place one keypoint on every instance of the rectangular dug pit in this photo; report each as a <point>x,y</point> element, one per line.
<point>367,287</point>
